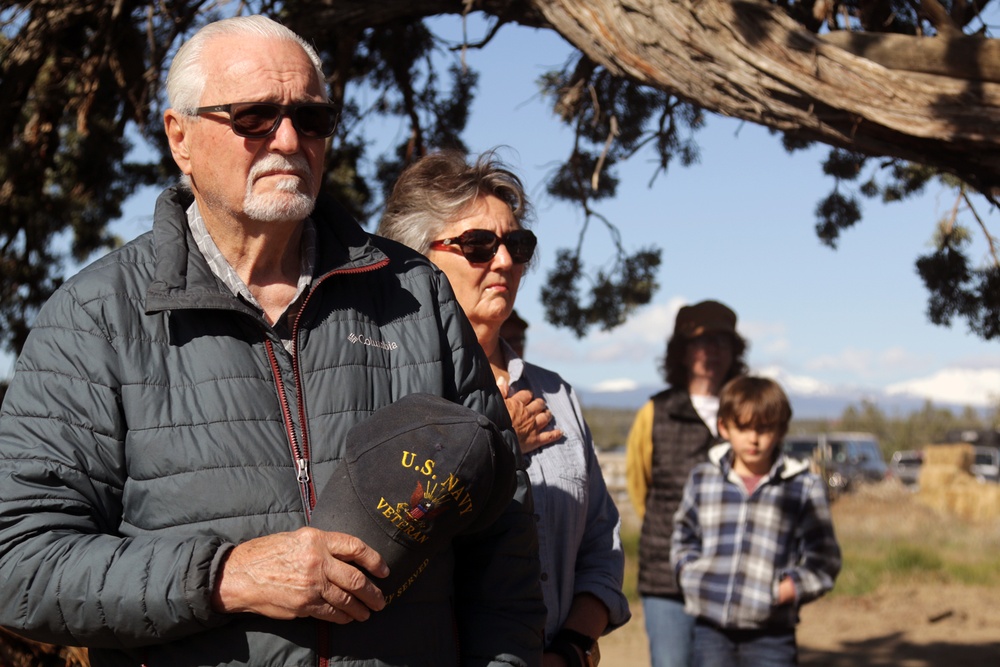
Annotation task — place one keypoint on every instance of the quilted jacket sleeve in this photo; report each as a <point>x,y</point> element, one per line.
<point>69,575</point>
<point>501,615</point>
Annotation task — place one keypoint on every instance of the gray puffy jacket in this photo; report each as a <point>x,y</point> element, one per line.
<point>154,420</point>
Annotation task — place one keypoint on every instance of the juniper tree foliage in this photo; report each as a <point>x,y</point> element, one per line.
<point>73,77</point>
<point>81,82</point>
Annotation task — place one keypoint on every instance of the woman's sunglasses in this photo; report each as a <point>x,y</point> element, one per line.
<point>256,120</point>
<point>481,245</point>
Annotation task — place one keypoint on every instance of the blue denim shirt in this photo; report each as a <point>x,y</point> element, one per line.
<point>578,523</point>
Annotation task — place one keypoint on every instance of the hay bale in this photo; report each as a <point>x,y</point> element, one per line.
<point>984,503</point>
<point>945,478</point>
<point>938,477</point>
<point>947,485</point>
<point>959,455</point>
<point>962,503</point>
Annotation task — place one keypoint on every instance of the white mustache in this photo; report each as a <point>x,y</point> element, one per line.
<point>273,162</point>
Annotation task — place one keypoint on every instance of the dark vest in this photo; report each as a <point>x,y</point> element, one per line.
<point>680,441</point>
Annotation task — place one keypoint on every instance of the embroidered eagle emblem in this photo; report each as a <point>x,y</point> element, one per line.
<point>422,506</point>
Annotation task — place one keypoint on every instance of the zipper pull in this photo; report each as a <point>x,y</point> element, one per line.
<point>303,475</point>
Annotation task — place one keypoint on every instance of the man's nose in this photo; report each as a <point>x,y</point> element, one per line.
<point>286,138</point>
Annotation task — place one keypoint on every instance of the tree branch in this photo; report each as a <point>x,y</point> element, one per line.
<point>939,18</point>
<point>964,58</point>
<point>747,59</point>
<point>985,230</point>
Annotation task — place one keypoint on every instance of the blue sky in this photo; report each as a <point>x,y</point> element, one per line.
<point>737,227</point>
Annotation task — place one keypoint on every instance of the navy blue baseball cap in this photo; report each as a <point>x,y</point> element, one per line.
<point>416,474</point>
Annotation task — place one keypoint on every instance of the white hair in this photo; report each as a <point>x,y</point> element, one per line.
<point>186,79</point>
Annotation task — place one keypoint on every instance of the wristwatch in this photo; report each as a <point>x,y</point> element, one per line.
<point>570,644</point>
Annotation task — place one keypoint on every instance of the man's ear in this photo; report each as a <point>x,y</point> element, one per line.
<point>176,127</point>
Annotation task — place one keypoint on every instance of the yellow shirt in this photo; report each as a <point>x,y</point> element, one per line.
<point>639,458</point>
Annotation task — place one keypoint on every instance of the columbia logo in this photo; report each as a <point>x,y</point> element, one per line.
<point>371,342</point>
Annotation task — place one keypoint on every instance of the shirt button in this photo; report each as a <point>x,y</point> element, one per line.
<point>545,577</point>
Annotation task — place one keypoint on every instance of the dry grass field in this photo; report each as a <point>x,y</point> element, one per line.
<point>920,588</point>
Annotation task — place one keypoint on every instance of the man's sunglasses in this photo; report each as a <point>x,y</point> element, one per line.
<point>256,120</point>
<point>481,245</point>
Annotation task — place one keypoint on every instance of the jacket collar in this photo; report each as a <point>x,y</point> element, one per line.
<point>183,279</point>
<point>784,467</point>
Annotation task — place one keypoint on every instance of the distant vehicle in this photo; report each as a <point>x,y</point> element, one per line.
<point>980,438</point>
<point>800,447</point>
<point>905,466</point>
<point>845,459</point>
<point>986,464</point>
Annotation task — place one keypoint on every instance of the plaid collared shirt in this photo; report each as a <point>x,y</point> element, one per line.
<point>224,271</point>
<point>732,548</point>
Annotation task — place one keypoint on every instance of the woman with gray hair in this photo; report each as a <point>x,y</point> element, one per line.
<point>470,220</point>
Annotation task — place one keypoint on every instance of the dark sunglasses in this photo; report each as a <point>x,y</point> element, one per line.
<point>481,245</point>
<point>256,120</point>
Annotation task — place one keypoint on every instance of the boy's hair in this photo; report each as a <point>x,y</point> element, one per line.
<point>755,402</point>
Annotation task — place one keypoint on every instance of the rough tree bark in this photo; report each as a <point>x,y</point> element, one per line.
<point>747,59</point>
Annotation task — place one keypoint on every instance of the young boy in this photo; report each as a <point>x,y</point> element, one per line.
<point>753,539</point>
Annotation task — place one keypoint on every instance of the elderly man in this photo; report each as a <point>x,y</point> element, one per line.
<point>180,403</point>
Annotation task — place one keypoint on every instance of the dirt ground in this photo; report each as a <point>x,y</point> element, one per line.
<point>916,625</point>
<point>929,626</point>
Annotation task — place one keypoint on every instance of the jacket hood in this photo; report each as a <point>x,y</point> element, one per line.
<point>784,467</point>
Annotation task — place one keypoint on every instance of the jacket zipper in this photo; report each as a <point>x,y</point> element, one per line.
<point>300,445</point>
<point>739,551</point>
<point>738,545</point>
<point>300,450</point>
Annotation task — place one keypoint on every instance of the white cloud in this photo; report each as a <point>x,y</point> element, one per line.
<point>644,335</point>
<point>616,385</point>
<point>773,346</point>
<point>795,384</point>
<point>755,330</point>
<point>641,338</point>
<point>651,324</point>
<point>962,386</point>
<point>849,360</point>
<point>867,363</point>
<point>898,358</point>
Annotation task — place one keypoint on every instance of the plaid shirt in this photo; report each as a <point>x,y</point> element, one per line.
<point>224,271</point>
<point>731,549</point>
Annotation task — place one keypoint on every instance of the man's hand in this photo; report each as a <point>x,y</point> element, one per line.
<point>304,573</point>
<point>529,417</point>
